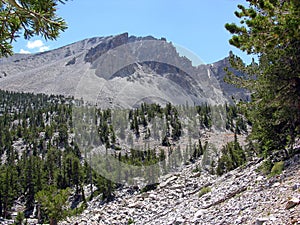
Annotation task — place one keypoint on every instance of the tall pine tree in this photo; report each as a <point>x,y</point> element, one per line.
<point>270,30</point>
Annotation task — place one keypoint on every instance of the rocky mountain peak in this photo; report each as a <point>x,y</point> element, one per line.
<point>102,68</point>
<point>109,43</point>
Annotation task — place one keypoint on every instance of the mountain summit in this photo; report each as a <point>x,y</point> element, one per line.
<point>118,71</point>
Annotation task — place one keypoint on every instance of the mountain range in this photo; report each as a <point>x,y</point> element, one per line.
<point>119,71</point>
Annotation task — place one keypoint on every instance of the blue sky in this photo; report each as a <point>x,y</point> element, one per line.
<point>195,25</point>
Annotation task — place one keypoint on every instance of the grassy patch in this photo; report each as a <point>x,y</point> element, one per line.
<point>204,191</point>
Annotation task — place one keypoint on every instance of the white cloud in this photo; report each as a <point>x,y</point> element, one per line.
<point>35,44</point>
<point>22,51</point>
<point>44,48</point>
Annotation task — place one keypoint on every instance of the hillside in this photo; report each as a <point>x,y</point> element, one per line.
<point>243,196</point>
<point>40,151</point>
<point>64,148</point>
<point>124,130</point>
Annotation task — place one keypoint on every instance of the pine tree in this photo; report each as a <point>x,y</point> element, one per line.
<point>53,201</point>
<point>77,176</point>
<point>270,29</point>
<point>30,191</point>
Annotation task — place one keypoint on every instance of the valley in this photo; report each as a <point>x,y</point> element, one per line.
<point>124,130</point>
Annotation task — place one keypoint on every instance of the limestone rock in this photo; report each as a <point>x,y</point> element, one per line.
<point>292,203</point>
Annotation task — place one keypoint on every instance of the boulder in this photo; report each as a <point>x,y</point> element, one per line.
<point>292,203</point>
<point>296,187</point>
<point>261,221</point>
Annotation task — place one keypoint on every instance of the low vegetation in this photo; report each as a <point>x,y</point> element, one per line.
<point>204,191</point>
<point>277,168</point>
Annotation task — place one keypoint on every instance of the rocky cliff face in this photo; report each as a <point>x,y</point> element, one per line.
<point>118,71</point>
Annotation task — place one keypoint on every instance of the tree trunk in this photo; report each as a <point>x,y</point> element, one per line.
<point>53,221</point>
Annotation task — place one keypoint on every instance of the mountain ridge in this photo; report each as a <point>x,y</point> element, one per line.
<point>96,63</point>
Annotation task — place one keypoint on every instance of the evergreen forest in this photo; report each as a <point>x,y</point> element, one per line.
<point>47,143</point>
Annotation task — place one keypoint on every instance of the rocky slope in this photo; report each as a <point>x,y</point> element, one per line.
<point>118,71</point>
<point>242,196</point>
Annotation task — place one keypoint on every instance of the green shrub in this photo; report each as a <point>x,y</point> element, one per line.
<point>204,191</point>
<point>277,168</point>
<point>130,221</point>
<point>196,170</point>
<point>149,187</point>
<point>265,167</point>
<point>19,218</point>
<point>232,157</point>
